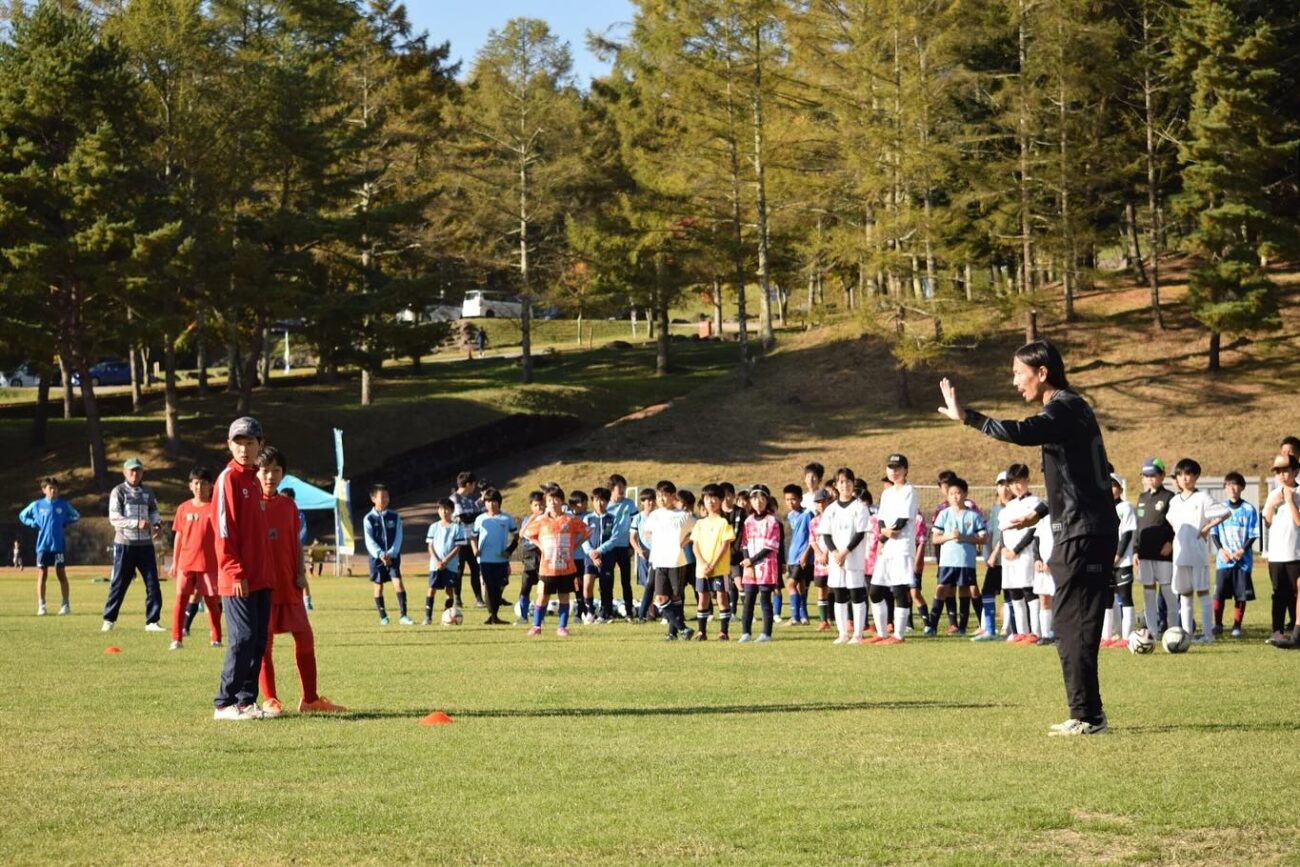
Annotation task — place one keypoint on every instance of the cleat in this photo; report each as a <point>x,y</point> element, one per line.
<point>985,636</point>
<point>891,640</point>
<point>40,610</point>
<point>383,621</point>
<point>562,632</point>
<point>763,639</point>
<point>175,645</point>
<point>824,626</point>
<point>479,603</point>
<point>185,633</point>
<point>1203,639</point>
<point>1218,629</point>
<point>320,705</point>
<point>841,639</point>
<point>776,618</point>
<point>428,621</point>
<point>536,630</point>
<point>153,627</point>
<point>405,621</point>
<point>745,638</point>
<point>952,629</point>
<point>929,632</point>
<point>252,711</point>
<point>228,713</point>
<point>671,636</point>
<point>271,708</point>
<point>700,636</point>
<point>1047,641</point>
<point>214,644</point>
<point>1076,727</point>
<point>1236,630</point>
<point>522,621</point>
<point>65,610</point>
<point>722,636</point>
<point>687,633</point>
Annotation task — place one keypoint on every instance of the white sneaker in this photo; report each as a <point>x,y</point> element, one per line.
<point>843,639</point>
<point>229,713</point>
<point>1076,727</point>
<point>175,645</point>
<point>776,618</point>
<point>252,712</point>
<point>745,639</point>
<point>108,626</point>
<point>153,627</point>
<point>65,609</point>
<point>40,610</point>
<point>588,619</point>
<point>763,639</point>
<point>1203,639</point>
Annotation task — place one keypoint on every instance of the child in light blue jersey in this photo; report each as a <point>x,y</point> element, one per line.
<point>48,516</point>
<point>1234,540</point>
<point>492,545</point>
<point>958,533</point>
<point>446,539</point>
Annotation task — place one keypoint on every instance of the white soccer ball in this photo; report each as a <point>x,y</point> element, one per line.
<point>452,617</point>
<point>1175,640</point>
<point>1141,642</point>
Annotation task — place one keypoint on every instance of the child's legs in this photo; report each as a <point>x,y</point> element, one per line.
<point>61,572</point>
<point>266,677</point>
<point>185,584</point>
<point>42,572</point>
<point>765,604</point>
<point>213,604</point>
<point>304,654</point>
<point>747,619</point>
<point>260,609</point>
<point>238,650</point>
<point>606,577</point>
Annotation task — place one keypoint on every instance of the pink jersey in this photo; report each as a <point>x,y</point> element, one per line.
<point>873,544</point>
<point>820,570</point>
<point>762,534</point>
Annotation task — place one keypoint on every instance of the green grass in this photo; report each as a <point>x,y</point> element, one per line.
<point>614,747</point>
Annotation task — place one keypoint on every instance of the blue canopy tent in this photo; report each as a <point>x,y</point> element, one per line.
<point>308,497</point>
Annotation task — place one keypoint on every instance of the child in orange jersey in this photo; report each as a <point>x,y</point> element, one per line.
<point>288,611</point>
<point>557,536</point>
<point>194,562</point>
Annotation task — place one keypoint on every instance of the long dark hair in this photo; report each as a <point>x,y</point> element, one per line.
<point>1043,353</point>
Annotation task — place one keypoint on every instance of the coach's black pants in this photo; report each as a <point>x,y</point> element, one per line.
<point>247,621</point>
<point>126,560</point>
<point>1081,568</point>
<point>622,559</point>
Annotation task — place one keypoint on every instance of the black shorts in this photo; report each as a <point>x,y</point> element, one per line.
<point>1286,572</point>
<point>957,576</point>
<point>1121,575</point>
<point>669,582</point>
<point>443,579</point>
<point>381,574</point>
<point>46,559</point>
<point>715,584</point>
<point>799,573</point>
<point>820,581</point>
<point>992,581</point>
<point>1235,582</point>
<point>558,583</point>
<point>498,573</point>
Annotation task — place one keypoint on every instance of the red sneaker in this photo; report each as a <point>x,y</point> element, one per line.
<point>891,640</point>
<point>824,626</point>
<point>952,630</point>
<point>320,705</point>
<point>1029,638</point>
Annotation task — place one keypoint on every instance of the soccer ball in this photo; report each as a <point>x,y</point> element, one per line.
<point>1141,642</point>
<point>1175,640</point>
<point>452,617</point>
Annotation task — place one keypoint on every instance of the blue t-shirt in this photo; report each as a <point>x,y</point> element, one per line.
<point>1242,525</point>
<point>967,522</point>
<point>48,518</point>
<point>445,540</point>
<point>623,511</point>
<point>493,533</point>
<point>799,522</point>
<point>578,555</point>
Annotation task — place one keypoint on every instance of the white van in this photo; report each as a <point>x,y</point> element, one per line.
<point>480,303</point>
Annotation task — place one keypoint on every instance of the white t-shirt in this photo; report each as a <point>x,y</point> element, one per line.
<point>899,502</point>
<point>1014,511</point>
<point>1127,524</point>
<point>662,531</point>
<point>841,521</point>
<point>1283,540</point>
<point>1187,517</point>
<point>1043,538</point>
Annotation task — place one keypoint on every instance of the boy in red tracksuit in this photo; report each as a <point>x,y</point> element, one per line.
<point>243,579</point>
<point>288,611</point>
<point>194,564</point>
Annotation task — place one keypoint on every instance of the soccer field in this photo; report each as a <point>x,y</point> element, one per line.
<point>613,747</point>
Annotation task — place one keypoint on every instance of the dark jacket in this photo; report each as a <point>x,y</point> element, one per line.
<point>1075,468</point>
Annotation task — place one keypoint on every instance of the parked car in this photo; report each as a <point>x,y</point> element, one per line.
<point>20,377</point>
<point>110,372</point>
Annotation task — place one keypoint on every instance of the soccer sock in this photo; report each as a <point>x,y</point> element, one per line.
<point>923,611</point>
<point>765,604</point>
<point>702,620</point>
<point>1107,622</point>
<point>1238,614</point>
<point>724,620</point>
<point>963,616</point>
<point>988,614</point>
<point>539,614</point>
<point>1045,620</point>
<point>950,606</point>
<point>589,603</point>
<point>1115,618</point>
<point>859,618</point>
<point>379,606</point>
<point>1021,611</point>
<point>304,654</point>
<point>1149,602</point>
<point>266,674</point>
<point>880,610</point>
<point>1125,621</point>
<point>1218,612</point>
<point>1034,626</point>
<point>747,624</point>
<point>842,618</point>
<point>901,616</point>
<point>1171,602</point>
<point>777,603</point>
<point>191,611</point>
<point>401,603</point>
<point>1185,613</point>
<point>1207,622</point>
<point>428,608</point>
<point>824,610</point>
<point>213,604</point>
<point>564,615</point>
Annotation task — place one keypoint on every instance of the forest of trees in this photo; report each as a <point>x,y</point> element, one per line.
<point>176,176</point>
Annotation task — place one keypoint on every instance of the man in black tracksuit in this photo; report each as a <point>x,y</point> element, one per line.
<point>1084,524</point>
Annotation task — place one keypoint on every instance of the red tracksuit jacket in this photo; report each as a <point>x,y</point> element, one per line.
<point>239,518</point>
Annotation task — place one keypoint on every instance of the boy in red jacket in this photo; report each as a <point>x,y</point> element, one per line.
<point>243,580</point>
<point>194,564</point>
<point>288,612</point>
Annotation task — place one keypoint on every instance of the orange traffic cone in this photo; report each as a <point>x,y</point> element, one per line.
<point>437,718</point>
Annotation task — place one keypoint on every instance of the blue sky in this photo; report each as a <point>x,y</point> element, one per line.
<point>467,22</point>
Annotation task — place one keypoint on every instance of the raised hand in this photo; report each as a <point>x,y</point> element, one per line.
<point>951,408</point>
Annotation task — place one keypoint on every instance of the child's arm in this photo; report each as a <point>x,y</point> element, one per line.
<point>73,516</point>
<point>27,517</point>
<point>395,549</point>
<point>299,580</point>
<point>1291,504</point>
<point>176,547</point>
<point>372,544</point>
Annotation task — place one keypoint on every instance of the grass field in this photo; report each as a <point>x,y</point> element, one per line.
<point>614,747</point>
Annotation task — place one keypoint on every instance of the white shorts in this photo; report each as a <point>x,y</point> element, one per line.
<point>1044,584</point>
<point>1191,579</point>
<point>849,579</point>
<point>1153,572</point>
<point>894,572</point>
<point>1018,574</point>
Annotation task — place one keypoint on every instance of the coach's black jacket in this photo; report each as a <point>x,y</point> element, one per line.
<point>1075,468</point>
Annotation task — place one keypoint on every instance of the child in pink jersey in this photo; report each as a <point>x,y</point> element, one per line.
<point>761,568</point>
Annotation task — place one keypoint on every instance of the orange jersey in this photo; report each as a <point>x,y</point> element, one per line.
<point>284,556</point>
<point>196,545</point>
<point>557,539</point>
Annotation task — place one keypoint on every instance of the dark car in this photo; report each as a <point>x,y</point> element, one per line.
<point>110,372</point>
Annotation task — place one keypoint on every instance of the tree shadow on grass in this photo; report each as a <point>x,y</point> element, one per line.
<point>680,710</point>
<point>1210,728</point>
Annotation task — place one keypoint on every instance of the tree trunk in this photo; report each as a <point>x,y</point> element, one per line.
<point>1022,124</point>
<point>65,375</point>
<point>766,334</point>
<point>40,422</point>
<point>171,409</point>
<point>968,278</point>
<point>1153,179</point>
<point>1215,340</point>
<point>526,312</point>
<point>738,241</point>
<point>1067,225</point>
<point>1031,326</point>
<point>661,315</point>
<point>201,348</point>
<point>1135,248</point>
<point>249,373</point>
<point>232,352</point>
<point>133,361</point>
<point>717,307</point>
<point>264,365</point>
<point>904,392</point>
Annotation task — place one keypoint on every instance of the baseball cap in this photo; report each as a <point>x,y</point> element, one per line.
<point>1116,480</point>
<point>821,495</point>
<point>1153,467</point>
<point>132,464</point>
<point>1002,477</point>
<point>896,460</point>
<point>245,427</point>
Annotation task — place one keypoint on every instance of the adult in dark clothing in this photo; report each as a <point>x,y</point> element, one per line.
<point>1084,525</point>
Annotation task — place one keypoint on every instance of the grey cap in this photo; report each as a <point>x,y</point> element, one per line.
<point>245,427</point>
<point>132,464</point>
<point>821,495</point>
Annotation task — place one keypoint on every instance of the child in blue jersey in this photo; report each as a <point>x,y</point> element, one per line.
<point>48,516</point>
<point>686,503</point>
<point>620,547</point>
<point>383,534</point>
<point>646,502</point>
<point>577,507</point>
<point>492,544</point>
<point>530,558</point>
<point>601,527</point>
<point>799,554</point>
<point>446,538</point>
<point>1234,540</point>
<point>958,533</point>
